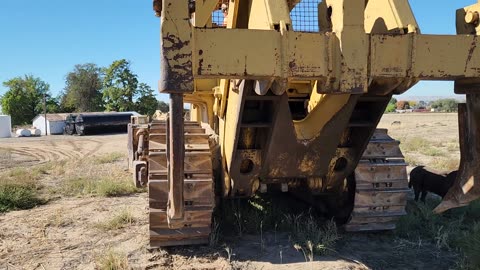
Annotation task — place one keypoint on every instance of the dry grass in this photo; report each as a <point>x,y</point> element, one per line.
<point>122,219</point>
<point>105,186</point>
<point>93,178</point>
<point>19,188</point>
<point>6,156</point>
<point>109,158</point>
<point>23,188</point>
<point>59,219</point>
<point>112,260</point>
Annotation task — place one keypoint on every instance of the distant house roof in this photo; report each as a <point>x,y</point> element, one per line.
<point>53,117</point>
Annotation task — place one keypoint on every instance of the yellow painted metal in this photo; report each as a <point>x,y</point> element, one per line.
<point>203,12</point>
<point>426,57</point>
<point>352,60</point>
<point>389,16</point>
<point>176,48</point>
<point>240,60</point>
<point>230,135</point>
<point>203,105</point>
<point>267,14</point>
<point>322,108</point>
<point>468,20</point>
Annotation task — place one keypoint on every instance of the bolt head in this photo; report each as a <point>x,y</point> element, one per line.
<point>471,17</point>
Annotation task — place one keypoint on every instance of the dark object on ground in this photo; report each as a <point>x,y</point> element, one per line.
<point>424,180</point>
<point>90,124</point>
<point>70,124</point>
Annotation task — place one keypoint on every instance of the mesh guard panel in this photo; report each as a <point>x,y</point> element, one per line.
<point>305,16</point>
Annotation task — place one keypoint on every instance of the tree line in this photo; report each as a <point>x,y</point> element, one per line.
<point>88,88</point>
<point>440,105</point>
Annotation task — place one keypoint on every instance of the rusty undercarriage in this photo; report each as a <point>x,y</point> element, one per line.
<point>297,110</point>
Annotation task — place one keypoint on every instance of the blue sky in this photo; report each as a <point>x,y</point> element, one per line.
<point>47,38</point>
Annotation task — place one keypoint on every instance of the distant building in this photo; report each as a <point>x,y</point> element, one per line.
<point>5,126</point>
<point>55,123</point>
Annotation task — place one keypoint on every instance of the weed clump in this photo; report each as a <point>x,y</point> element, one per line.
<point>19,189</point>
<point>311,236</point>
<point>122,219</point>
<point>111,260</point>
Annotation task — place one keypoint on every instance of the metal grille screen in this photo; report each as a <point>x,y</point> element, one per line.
<point>305,16</point>
<point>218,18</point>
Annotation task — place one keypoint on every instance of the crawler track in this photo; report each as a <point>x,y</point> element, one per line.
<point>381,186</point>
<point>198,188</point>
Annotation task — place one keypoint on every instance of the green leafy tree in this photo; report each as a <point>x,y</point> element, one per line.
<point>445,105</point>
<point>393,101</point>
<point>83,89</point>
<point>391,108</point>
<point>163,107</point>
<point>120,87</point>
<point>146,103</point>
<point>24,99</point>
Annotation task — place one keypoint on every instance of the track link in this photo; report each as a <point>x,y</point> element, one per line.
<point>381,186</point>
<point>198,188</point>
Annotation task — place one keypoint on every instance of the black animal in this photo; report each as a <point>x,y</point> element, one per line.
<point>424,180</point>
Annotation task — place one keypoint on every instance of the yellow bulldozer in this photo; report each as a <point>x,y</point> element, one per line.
<point>286,95</point>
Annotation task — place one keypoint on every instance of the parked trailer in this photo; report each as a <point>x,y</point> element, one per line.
<point>102,123</point>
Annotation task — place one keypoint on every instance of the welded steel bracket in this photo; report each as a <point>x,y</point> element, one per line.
<point>140,175</point>
<point>467,185</point>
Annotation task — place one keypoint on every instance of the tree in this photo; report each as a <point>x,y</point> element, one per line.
<point>445,105</point>
<point>83,89</point>
<point>120,87</point>
<point>422,104</point>
<point>393,101</point>
<point>390,108</point>
<point>413,104</point>
<point>163,107</point>
<point>402,105</point>
<point>146,103</point>
<point>25,97</point>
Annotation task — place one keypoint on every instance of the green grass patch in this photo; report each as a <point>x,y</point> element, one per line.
<point>122,219</point>
<point>103,186</point>
<point>109,158</point>
<point>457,230</point>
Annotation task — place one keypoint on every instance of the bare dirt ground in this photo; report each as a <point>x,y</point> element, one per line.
<point>30,151</point>
<point>69,232</point>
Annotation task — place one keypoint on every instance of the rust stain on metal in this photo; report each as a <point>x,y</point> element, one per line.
<point>473,46</point>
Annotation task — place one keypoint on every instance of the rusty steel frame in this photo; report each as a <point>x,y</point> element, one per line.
<point>352,57</point>
<point>466,187</point>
